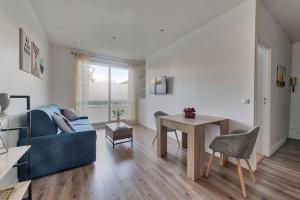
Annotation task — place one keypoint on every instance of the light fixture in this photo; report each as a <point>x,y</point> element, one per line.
<point>114,37</point>
<point>161,30</point>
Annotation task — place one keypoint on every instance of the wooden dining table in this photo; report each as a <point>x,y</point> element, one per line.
<point>193,138</point>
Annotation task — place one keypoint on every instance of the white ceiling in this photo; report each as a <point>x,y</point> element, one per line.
<point>90,25</point>
<point>287,13</point>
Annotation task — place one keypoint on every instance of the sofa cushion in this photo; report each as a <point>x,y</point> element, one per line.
<point>82,128</point>
<point>62,123</point>
<point>70,114</point>
<point>80,122</point>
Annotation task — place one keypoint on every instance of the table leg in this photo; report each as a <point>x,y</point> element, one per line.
<point>184,139</point>
<point>195,153</point>
<point>161,140</point>
<point>224,130</point>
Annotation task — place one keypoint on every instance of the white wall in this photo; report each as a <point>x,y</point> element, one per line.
<point>272,35</point>
<point>295,97</point>
<point>212,68</point>
<point>61,84</point>
<point>13,15</point>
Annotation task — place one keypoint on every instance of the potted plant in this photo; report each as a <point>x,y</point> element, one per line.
<point>117,112</point>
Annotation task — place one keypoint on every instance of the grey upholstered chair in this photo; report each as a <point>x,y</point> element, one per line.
<point>238,144</point>
<point>159,114</point>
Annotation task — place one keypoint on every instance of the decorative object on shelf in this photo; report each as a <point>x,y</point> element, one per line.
<point>293,82</point>
<point>3,148</point>
<point>281,74</point>
<point>5,194</point>
<point>117,113</point>
<point>4,102</point>
<point>189,113</point>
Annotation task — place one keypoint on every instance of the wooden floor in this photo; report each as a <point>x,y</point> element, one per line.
<point>126,173</point>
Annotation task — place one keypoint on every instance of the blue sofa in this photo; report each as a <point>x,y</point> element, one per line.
<point>53,151</point>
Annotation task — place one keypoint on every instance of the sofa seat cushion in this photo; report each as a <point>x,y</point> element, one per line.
<point>80,122</point>
<point>82,128</point>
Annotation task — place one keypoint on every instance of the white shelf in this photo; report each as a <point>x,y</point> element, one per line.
<point>9,114</point>
<point>20,190</point>
<point>9,159</point>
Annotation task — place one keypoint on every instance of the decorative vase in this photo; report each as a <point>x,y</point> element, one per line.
<point>4,101</point>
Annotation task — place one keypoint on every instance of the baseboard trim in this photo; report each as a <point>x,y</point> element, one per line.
<point>145,126</point>
<point>277,146</point>
<point>294,136</point>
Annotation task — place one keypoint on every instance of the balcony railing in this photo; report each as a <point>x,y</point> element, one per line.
<point>98,111</point>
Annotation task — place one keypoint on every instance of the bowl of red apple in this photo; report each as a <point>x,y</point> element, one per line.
<point>189,113</point>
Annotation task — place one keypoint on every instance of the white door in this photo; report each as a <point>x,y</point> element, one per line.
<point>263,98</point>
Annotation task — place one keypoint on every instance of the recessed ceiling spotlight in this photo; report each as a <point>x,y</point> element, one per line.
<point>114,37</point>
<point>161,30</point>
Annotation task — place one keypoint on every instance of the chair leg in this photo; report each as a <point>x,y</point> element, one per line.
<point>209,163</point>
<point>222,160</point>
<point>154,139</point>
<point>251,170</point>
<point>177,138</point>
<point>238,163</point>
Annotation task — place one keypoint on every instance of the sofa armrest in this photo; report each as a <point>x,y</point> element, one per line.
<point>52,153</point>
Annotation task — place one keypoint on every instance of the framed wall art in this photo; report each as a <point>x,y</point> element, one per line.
<point>25,51</point>
<point>281,76</point>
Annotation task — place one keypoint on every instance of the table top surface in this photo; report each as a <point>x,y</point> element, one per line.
<point>118,126</point>
<point>198,120</point>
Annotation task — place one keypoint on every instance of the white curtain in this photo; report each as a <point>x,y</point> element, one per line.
<point>80,83</point>
<point>132,93</point>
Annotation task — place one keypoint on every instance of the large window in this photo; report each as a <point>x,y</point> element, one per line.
<point>119,90</point>
<point>108,89</point>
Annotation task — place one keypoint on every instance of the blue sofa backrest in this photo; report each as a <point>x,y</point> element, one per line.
<point>50,109</point>
<point>41,121</point>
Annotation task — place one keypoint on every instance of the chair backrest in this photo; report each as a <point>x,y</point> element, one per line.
<point>250,140</point>
<point>238,131</point>
<point>159,114</point>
